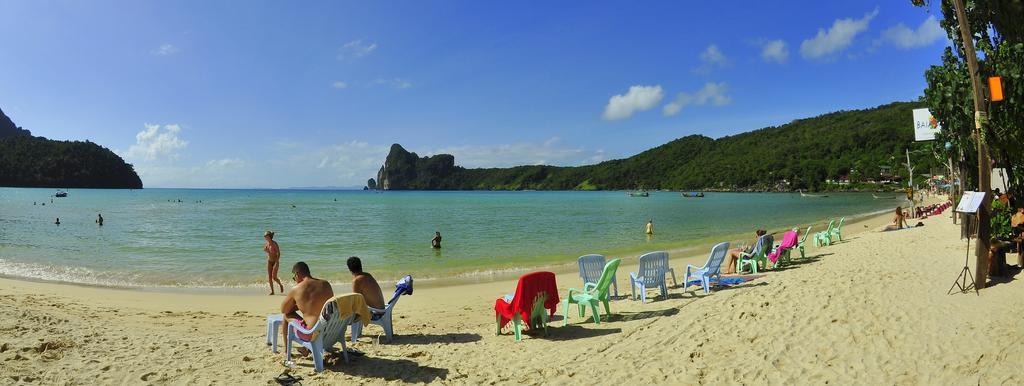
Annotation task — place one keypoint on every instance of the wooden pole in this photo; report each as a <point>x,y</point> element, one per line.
<point>984,164</point>
<point>910,185</point>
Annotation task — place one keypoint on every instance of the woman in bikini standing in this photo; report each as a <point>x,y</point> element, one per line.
<point>273,260</point>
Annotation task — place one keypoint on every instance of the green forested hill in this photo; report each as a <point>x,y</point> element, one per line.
<point>27,161</point>
<point>798,155</point>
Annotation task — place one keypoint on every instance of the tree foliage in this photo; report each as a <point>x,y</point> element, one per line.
<point>798,155</point>
<point>998,34</point>
<point>27,161</point>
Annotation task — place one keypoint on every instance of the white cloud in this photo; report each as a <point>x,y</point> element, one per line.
<point>711,58</point>
<point>152,143</point>
<point>339,85</point>
<point>548,152</point>
<point>905,38</point>
<point>356,49</point>
<point>775,51</point>
<point>711,93</point>
<point>225,163</point>
<point>398,83</point>
<point>638,98</point>
<point>166,49</point>
<point>837,38</point>
<point>354,159</point>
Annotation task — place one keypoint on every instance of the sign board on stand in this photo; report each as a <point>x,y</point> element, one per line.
<point>925,125</point>
<point>970,202</point>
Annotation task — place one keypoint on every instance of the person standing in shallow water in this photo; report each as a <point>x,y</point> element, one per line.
<point>649,229</point>
<point>436,241</point>
<point>99,219</point>
<point>273,260</point>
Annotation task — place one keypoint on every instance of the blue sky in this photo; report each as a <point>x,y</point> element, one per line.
<point>282,94</point>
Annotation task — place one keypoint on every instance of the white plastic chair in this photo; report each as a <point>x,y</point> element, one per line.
<point>329,329</point>
<point>711,268</point>
<point>652,270</point>
<point>591,268</point>
<point>379,317</point>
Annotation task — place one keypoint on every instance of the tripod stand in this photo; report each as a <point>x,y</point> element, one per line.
<point>965,273</point>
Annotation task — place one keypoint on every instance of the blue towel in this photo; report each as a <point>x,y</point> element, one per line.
<point>403,287</point>
<point>722,281</point>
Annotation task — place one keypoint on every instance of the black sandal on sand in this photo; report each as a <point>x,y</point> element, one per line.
<point>354,352</point>
<point>286,379</point>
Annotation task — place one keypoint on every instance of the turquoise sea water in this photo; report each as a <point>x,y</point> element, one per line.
<point>213,238</point>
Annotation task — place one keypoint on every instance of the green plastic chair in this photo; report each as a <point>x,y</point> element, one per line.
<point>837,231</point>
<point>592,294</point>
<point>800,245</point>
<point>825,237</point>
<point>759,254</point>
<point>538,317</point>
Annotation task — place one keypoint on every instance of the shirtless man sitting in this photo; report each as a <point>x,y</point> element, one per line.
<point>308,297</point>
<point>364,283</point>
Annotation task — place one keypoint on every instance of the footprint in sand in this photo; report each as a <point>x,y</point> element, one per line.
<point>145,377</point>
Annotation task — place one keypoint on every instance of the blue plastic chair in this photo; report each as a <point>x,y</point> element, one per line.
<point>652,271</point>
<point>591,268</point>
<point>711,269</point>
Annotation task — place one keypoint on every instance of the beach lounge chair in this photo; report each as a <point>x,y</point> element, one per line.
<point>383,317</point>
<point>652,271</point>
<point>337,314</point>
<point>711,268</point>
<point>837,231</point>
<point>534,301</point>
<point>591,268</point>
<point>593,293</point>
<point>824,237</point>
<point>780,255</point>
<point>759,254</point>
<point>803,240</point>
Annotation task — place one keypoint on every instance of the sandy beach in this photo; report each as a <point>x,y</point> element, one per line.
<point>872,309</point>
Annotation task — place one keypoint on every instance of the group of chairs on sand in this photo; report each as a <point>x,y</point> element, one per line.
<point>536,299</point>
<point>338,315</point>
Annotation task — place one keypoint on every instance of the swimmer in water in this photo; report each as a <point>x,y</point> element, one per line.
<point>99,219</point>
<point>58,221</point>
<point>649,229</point>
<point>436,241</point>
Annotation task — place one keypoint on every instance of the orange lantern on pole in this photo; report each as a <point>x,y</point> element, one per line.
<point>995,88</point>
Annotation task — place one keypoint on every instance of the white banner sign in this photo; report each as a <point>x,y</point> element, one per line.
<point>970,202</point>
<point>925,125</point>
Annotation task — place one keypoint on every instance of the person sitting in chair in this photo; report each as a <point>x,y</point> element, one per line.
<point>734,254</point>
<point>364,283</point>
<point>307,297</point>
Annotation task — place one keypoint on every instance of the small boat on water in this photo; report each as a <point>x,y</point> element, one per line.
<point>802,194</point>
<point>638,194</point>
<point>60,193</point>
<point>693,195</point>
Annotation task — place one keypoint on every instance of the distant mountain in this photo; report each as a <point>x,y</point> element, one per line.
<point>8,128</point>
<point>28,161</point>
<point>799,155</point>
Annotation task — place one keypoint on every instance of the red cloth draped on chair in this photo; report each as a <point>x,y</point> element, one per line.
<point>529,286</point>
